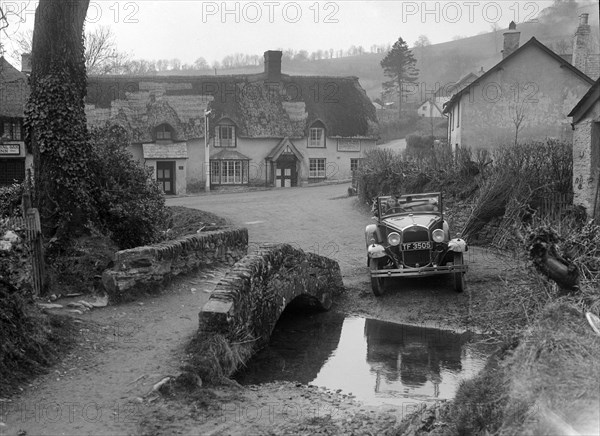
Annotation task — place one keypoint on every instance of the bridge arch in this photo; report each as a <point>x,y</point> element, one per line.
<point>248,301</point>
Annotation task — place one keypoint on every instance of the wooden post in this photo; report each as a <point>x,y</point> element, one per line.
<point>34,238</point>
<point>26,202</point>
<point>34,235</point>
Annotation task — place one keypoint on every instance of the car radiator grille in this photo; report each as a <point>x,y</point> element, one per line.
<point>416,257</point>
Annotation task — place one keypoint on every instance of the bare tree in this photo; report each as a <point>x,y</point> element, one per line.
<point>201,64</point>
<point>23,43</point>
<point>518,112</point>
<point>101,55</point>
<point>561,47</point>
<point>100,50</point>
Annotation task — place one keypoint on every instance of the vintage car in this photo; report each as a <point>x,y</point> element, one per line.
<point>411,239</point>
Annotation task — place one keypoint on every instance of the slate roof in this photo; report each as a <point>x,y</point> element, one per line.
<point>259,108</point>
<point>14,90</point>
<point>586,102</point>
<point>532,42</point>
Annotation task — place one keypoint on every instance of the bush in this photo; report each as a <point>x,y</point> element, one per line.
<point>419,144</point>
<point>384,172</point>
<point>10,199</point>
<point>15,261</point>
<point>128,202</point>
<point>517,181</point>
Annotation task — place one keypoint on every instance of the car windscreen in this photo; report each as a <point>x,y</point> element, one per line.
<point>410,203</point>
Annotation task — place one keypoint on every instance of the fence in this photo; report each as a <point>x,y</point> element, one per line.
<point>30,221</point>
<point>553,206</point>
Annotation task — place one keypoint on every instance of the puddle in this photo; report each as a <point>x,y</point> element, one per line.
<point>378,362</point>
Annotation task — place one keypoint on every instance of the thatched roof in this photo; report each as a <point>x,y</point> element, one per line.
<point>14,90</point>
<point>259,108</point>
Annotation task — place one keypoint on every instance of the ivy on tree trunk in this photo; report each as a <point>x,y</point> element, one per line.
<point>55,118</point>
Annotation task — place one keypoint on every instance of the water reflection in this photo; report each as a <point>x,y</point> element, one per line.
<point>415,355</point>
<point>379,362</point>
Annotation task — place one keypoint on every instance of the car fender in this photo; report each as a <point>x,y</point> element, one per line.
<point>371,231</point>
<point>376,251</point>
<point>458,245</point>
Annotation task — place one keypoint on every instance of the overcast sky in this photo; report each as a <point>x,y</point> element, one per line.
<point>188,29</point>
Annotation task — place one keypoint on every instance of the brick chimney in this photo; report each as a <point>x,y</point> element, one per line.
<point>273,65</point>
<point>581,43</point>
<point>511,40</point>
<point>26,63</point>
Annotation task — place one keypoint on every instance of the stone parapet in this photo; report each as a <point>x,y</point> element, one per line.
<point>147,268</point>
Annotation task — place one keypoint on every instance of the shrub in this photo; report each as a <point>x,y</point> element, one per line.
<point>128,203</point>
<point>15,262</point>
<point>384,172</point>
<point>10,199</point>
<point>519,178</point>
<point>419,144</point>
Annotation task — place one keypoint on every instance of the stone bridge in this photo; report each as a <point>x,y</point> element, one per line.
<point>248,301</point>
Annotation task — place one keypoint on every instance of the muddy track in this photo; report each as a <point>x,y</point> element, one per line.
<point>104,386</point>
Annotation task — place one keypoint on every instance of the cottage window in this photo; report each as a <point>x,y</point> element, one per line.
<point>225,136</point>
<point>316,137</point>
<point>163,132</point>
<point>316,169</point>
<point>229,172</point>
<point>458,114</point>
<point>12,129</point>
<point>354,163</point>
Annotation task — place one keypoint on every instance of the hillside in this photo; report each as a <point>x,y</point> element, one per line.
<point>443,63</point>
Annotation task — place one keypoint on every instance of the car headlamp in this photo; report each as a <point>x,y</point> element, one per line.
<point>438,235</point>
<point>394,238</point>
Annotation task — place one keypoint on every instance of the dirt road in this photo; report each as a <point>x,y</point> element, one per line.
<point>102,387</point>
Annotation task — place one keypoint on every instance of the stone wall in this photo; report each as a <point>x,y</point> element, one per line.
<point>147,268</point>
<point>248,301</point>
<point>586,159</point>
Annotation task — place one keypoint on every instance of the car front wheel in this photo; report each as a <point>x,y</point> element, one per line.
<point>377,282</point>
<point>459,277</point>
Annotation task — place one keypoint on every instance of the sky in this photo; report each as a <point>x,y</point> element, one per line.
<point>189,29</point>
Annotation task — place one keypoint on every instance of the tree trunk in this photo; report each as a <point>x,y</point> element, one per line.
<point>55,117</point>
<point>399,98</point>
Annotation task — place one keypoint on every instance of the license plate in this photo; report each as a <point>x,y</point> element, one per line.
<point>426,245</point>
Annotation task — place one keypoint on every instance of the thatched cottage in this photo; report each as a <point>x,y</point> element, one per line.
<point>270,128</point>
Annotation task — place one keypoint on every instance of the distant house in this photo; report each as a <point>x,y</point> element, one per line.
<point>268,128</point>
<point>526,96</point>
<point>430,109</point>
<point>586,151</point>
<point>14,92</point>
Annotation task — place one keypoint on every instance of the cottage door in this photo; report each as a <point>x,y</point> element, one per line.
<point>285,173</point>
<point>165,176</point>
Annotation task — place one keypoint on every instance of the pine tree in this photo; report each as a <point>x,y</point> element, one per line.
<point>399,66</point>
